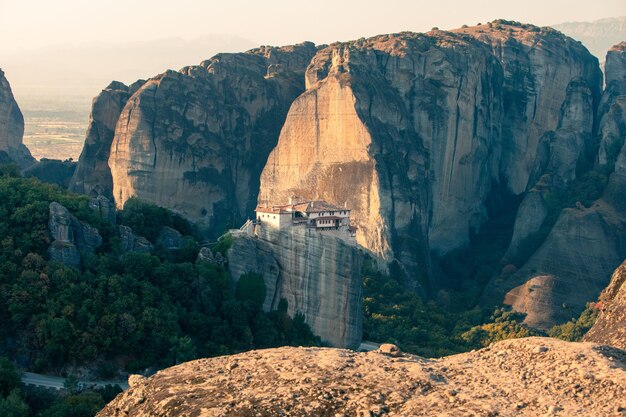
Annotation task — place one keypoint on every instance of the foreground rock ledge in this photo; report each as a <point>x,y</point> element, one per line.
<point>524,377</point>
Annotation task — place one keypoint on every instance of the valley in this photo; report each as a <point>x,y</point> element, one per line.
<point>226,236</point>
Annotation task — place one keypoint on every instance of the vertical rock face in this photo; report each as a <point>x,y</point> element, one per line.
<point>195,141</point>
<point>610,327</point>
<point>412,130</point>
<point>12,127</point>
<point>389,125</point>
<point>93,175</point>
<point>613,127</point>
<point>541,68</point>
<point>586,244</point>
<point>318,275</point>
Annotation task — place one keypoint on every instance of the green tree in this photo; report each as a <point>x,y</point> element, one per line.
<point>9,377</point>
<point>251,290</point>
<point>86,404</point>
<point>13,405</point>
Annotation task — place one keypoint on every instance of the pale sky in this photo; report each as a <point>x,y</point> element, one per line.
<point>36,23</point>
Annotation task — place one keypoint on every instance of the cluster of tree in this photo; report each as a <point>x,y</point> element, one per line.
<point>132,311</point>
<point>445,325</point>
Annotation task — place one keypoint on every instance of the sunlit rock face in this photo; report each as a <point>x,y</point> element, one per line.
<point>413,130</point>
<point>610,327</point>
<point>512,378</point>
<point>195,141</point>
<point>12,128</point>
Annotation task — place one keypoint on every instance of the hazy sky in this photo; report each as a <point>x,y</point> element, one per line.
<point>35,23</point>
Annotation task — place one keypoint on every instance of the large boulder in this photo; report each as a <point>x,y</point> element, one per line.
<point>70,236</point>
<point>170,239</point>
<point>131,242</point>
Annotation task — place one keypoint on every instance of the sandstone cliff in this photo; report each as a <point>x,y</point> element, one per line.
<point>12,127</point>
<point>610,327</point>
<point>93,175</point>
<point>575,262</point>
<point>318,274</point>
<point>524,377</point>
<point>413,130</point>
<point>195,141</point>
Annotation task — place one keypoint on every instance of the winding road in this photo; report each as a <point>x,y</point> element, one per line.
<point>57,382</point>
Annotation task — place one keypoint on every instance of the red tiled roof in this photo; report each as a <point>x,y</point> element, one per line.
<point>317,206</point>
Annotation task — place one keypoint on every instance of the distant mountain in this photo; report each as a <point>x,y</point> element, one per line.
<point>83,69</point>
<point>598,36</point>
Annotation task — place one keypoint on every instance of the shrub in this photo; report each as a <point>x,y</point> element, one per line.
<point>251,290</point>
<point>575,329</point>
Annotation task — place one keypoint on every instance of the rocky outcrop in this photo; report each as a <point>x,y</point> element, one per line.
<point>413,130</point>
<point>130,242</point>
<point>523,377</point>
<point>574,263</point>
<point>93,175</point>
<point>104,208</point>
<point>170,239</point>
<point>70,236</point>
<point>12,127</point>
<point>195,141</point>
<point>318,274</point>
<point>569,269</point>
<point>610,327</point>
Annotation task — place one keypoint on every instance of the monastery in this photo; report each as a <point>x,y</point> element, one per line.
<point>318,215</point>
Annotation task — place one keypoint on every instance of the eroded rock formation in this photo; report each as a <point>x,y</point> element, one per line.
<point>610,327</point>
<point>524,377</point>
<point>12,127</point>
<point>131,242</point>
<point>319,275</point>
<point>195,141</point>
<point>413,130</point>
<point>70,236</point>
<point>93,175</point>
<point>575,262</point>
